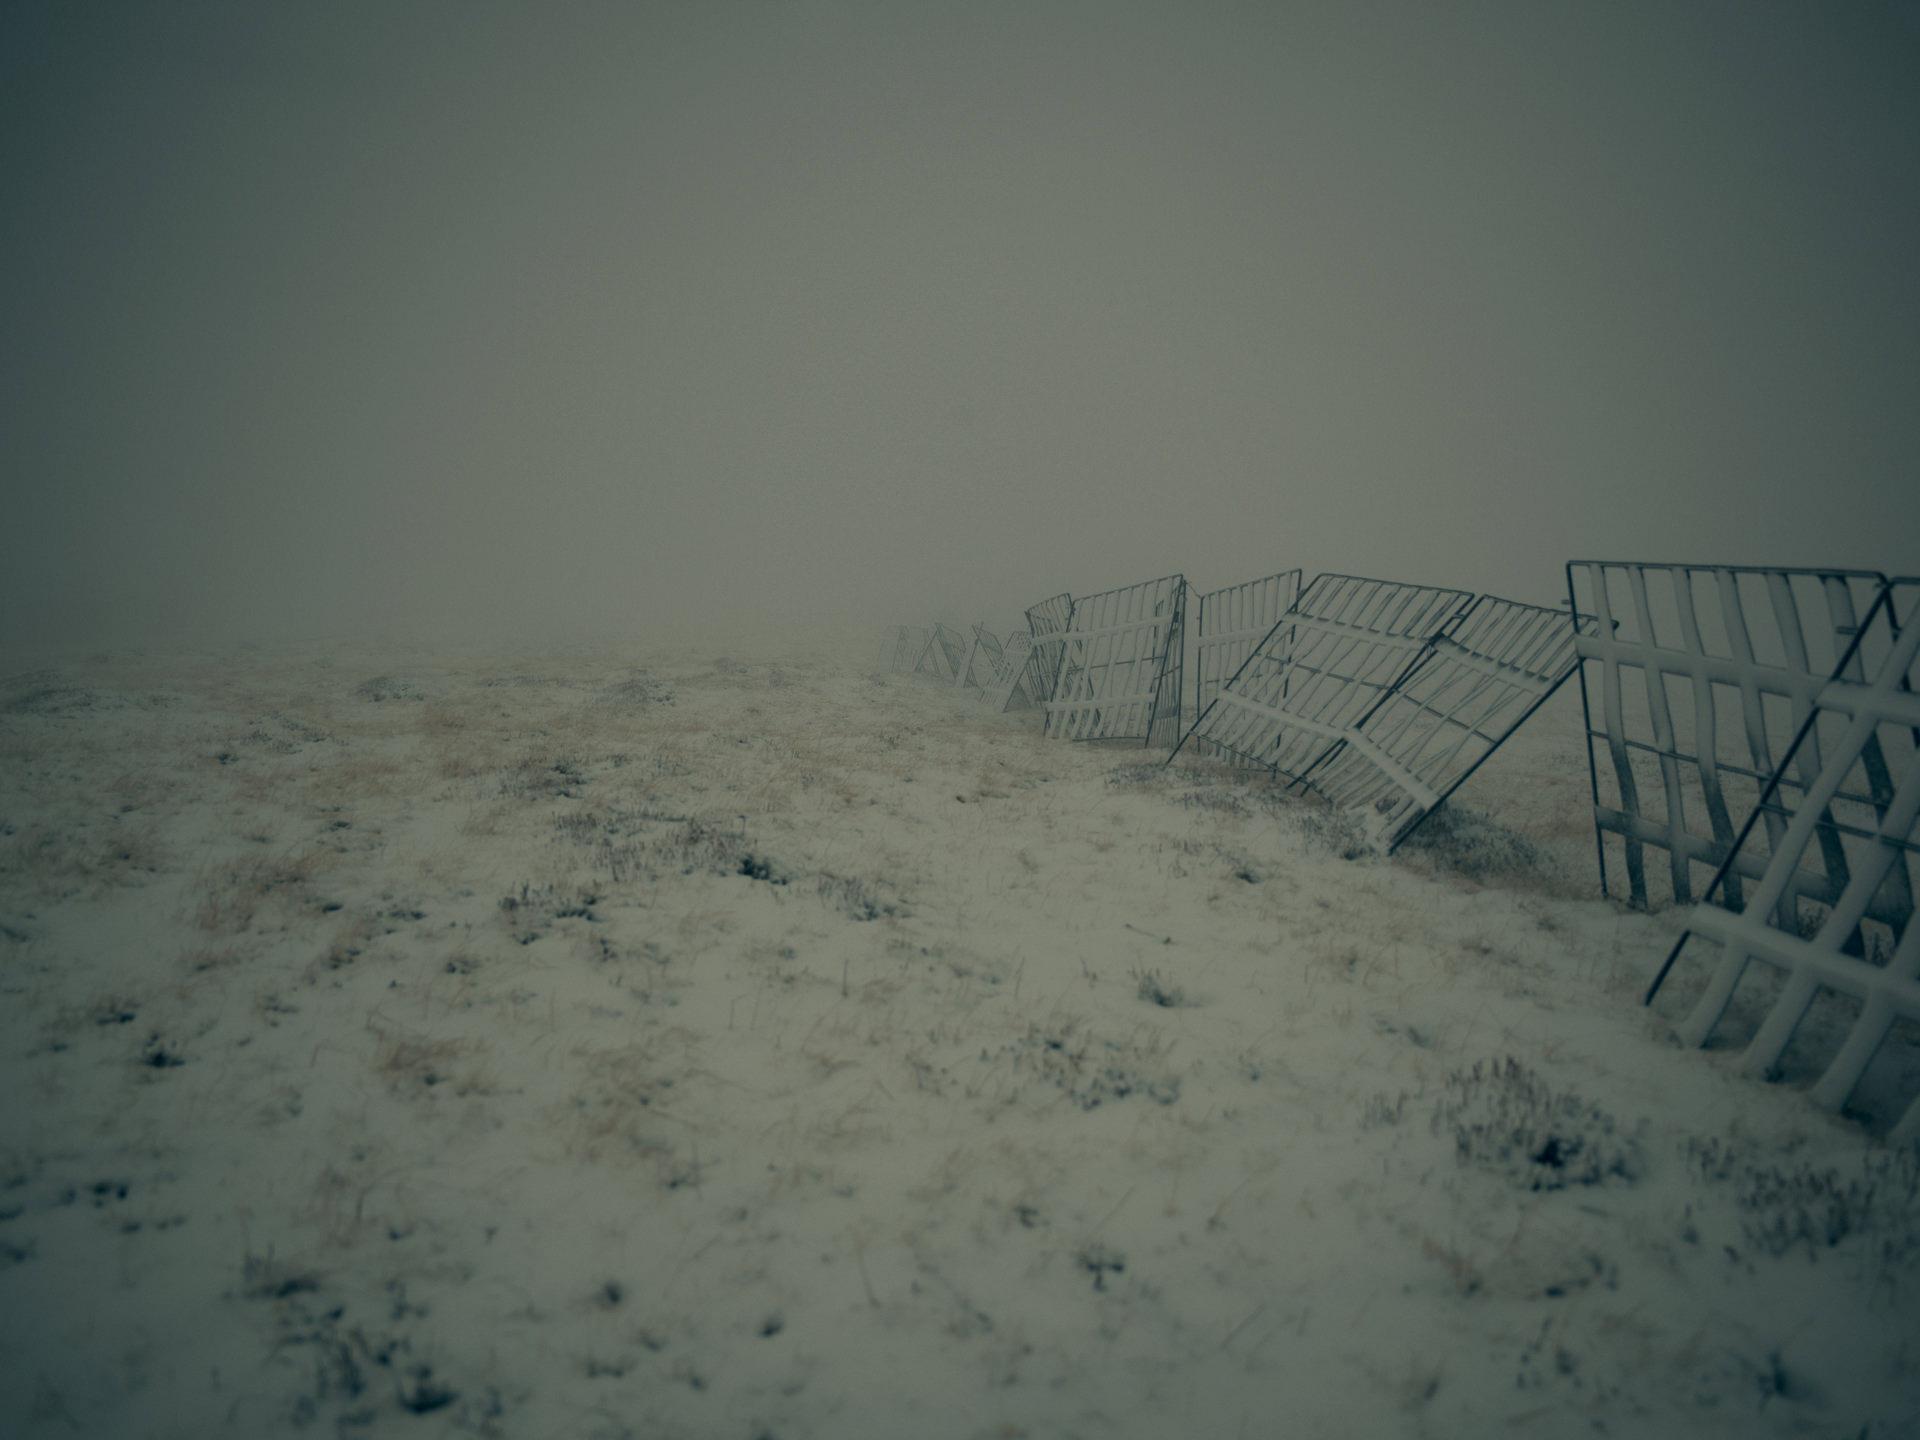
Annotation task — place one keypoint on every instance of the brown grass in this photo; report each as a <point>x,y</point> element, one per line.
<point>138,790</point>
<point>204,958</point>
<point>361,777</point>
<point>236,895</point>
<point>1459,1267</point>
<point>61,864</point>
<point>620,1107</point>
<point>349,942</point>
<point>418,1065</point>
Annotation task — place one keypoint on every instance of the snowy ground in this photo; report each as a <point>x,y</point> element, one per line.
<point>410,1046</point>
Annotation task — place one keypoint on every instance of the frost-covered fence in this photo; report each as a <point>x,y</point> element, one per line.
<point>983,656</point>
<point>945,654</point>
<point>995,671</point>
<point>935,651</point>
<point>1231,622</point>
<point>1344,644</point>
<point>1011,673</point>
<point>1384,696</point>
<point>1379,695</point>
<point>901,649</point>
<point>1761,722</point>
<point>1841,807</point>
<point>1694,677</point>
<point>1466,693</point>
<point>1120,666</point>
<point>1047,630</point>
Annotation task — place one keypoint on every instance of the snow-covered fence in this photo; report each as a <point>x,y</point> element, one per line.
<point>1841,807</point>
<point>1231,622</point>
<point>1763,722</point>
<point>1693,678</point>
<point>1336,653</point>
<point>983,658</point>
<point>1120,668</point>
<point>1470,689</point>
<point>1047,631</point>
<point>993,669</point>
<point>1012,674</point>
<point>946,652</point>
<point>902,648</point>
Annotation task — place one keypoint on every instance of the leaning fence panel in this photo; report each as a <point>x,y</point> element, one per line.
<point>983,657</point>
<point>1047,631</point>
<point>1010,674</point>
<point>1231,622</point>
<point>946,652</point>
<point>1120,659</point>
<point>1693,678</point>
<point>1839,970</point>
<point>1465,694</point>
<point>910,644</point>
<point>1334,655</point>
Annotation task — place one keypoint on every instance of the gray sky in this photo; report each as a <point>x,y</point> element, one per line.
<point>706,320</point>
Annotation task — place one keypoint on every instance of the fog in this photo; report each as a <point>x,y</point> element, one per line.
<point>727,324</point>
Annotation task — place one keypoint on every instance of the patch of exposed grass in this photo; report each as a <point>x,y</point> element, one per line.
<point>1090,1069</point>
<point>60,863</point>
<point>1155,991</point>
<point>418,1064</point>
<point>1505,1118</point>
<point>1786,1207</point>
<point>237,896</point>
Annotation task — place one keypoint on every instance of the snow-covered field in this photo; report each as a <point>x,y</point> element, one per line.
<point>590,1045</point>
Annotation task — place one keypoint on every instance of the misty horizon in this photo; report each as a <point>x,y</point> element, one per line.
<point>688,325</point>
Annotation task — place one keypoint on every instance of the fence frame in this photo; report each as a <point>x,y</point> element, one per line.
<point>1119,651</point>
<point>1402,759</point>
<point>1771,928</point>
<point>1289,705</point>
<point>1231,623</point>
<point>1797,681</point>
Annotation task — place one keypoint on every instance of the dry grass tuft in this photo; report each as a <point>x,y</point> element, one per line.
<point>1091,1069</point>
<point>1458,1265</point>
<point>1149,986</point>
<point>349,943</point>
<point>615,1112</point>
<point>204,958</point>
<point>1785,1206</point>
<point>235,895</point>
<point>138,790</point>
<point>417,1065</point>
<point>361,777</point>
<point>1505,1118</point>
<point>1460,843</point>
<point>62,864</point>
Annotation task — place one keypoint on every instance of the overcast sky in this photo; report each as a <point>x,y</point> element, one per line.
<point>700,321</point>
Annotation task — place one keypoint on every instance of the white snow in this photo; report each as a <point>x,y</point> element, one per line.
<point>407,1045</point>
